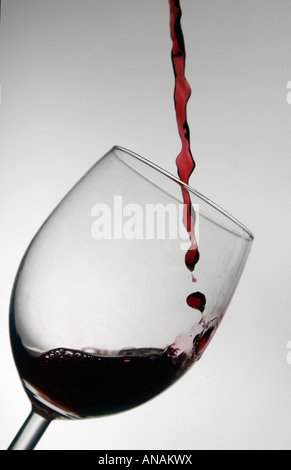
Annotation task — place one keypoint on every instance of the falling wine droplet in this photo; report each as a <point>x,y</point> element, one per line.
<point>197,301</point>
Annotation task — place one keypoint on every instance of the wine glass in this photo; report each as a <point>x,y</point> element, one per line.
<point>103,314</point>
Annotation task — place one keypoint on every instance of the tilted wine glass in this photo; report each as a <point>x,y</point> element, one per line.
<point>100,318</point>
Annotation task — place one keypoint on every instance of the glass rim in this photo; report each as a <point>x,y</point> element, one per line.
<point>188,188</point>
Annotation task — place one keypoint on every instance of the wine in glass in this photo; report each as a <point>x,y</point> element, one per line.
<point>104,313</point>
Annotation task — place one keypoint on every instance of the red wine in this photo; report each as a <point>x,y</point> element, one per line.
<point>197,301</point>
<point>185,161</point>
<point>74,384</point>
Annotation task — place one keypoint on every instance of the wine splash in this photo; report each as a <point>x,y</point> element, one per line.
<point>185,161</point>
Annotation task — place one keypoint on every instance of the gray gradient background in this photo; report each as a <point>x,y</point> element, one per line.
<point>79,77</point>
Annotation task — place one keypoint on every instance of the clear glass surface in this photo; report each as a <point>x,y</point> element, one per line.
<point>105,279</point>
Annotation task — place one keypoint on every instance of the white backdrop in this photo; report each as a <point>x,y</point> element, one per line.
<point>79,77</point>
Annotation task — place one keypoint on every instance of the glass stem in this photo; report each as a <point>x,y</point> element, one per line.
<point>30,433</point>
